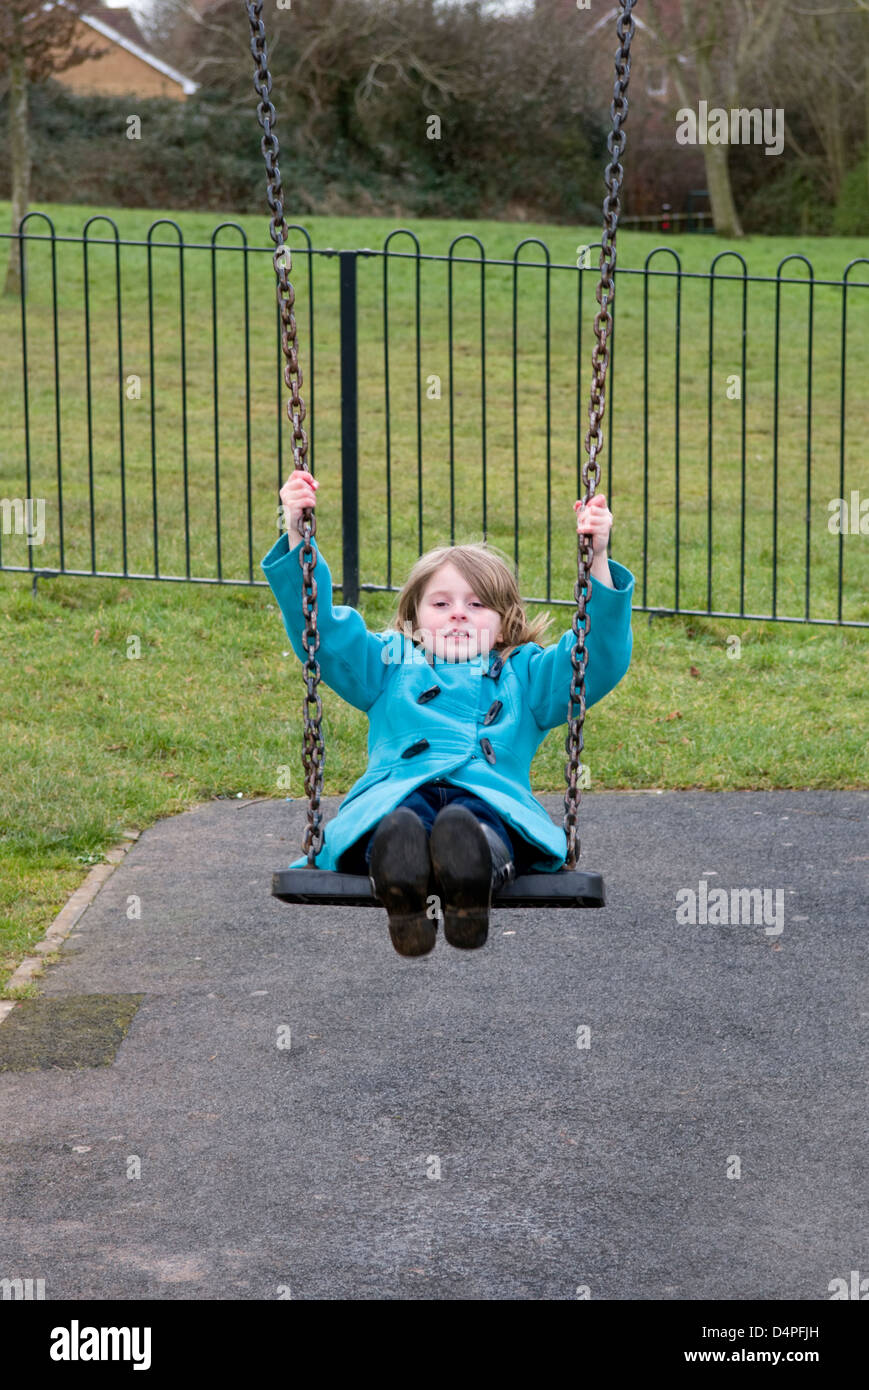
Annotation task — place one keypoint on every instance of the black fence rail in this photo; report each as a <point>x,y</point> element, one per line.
<point>144,434</point>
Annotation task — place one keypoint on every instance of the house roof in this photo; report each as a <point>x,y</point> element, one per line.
<point>123,21</point>
<point>120,26</point>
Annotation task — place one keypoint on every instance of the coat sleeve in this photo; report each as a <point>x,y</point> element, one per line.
<point>350,657</point>
<point>609,644</point>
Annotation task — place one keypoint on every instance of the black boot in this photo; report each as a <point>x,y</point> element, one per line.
<point>503,867</point>
<point>399,874</point>
<point>471,863</point>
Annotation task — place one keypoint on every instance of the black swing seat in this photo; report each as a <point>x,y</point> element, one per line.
<point>564,888</point>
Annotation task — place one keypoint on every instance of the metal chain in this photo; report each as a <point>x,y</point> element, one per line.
<point>313,752</point>
<point>593,440</point>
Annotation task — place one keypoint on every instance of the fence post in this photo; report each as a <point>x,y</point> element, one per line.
<point>349,430</point>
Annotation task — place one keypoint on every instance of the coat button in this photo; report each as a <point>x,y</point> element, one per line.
<point>493,711</point>
<point>496,668</point>
<point>488,750</point>
<point>427,695</point>
<point>415,748</point>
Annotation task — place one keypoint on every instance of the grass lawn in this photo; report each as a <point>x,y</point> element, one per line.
<point>95,742</point>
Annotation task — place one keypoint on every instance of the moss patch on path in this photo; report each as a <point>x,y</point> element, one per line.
<point>67,1033</point>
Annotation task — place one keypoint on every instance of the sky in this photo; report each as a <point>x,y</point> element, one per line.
<point>136,7</point>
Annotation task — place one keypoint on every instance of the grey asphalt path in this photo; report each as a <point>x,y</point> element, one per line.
<point>313,1168</point>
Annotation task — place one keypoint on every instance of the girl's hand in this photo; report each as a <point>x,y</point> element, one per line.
<point>297,493</point>
<point>595,520</point>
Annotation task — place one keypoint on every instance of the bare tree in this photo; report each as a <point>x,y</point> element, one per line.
<point>327,56</point>
<point>209,35</point>
<point>836,36</point>
<point>369,74</point>
<point>709,48</point>
<point>36,41</point>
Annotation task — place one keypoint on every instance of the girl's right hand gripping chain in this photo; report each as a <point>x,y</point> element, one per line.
<point>297,493</point>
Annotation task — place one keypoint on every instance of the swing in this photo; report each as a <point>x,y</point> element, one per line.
<point>568,886</point>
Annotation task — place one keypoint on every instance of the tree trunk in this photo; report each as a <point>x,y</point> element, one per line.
<point>866,34</point>
<point>19,148</point>
<point>837,158</point>
<point>724,214</point>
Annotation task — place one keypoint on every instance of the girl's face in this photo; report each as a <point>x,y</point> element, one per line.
<point>453,623</point>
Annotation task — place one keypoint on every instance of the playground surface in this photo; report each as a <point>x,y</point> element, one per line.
<point>218,1095</point>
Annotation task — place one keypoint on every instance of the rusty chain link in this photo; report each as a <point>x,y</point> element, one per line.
<point>313,753</point>
<point>593,440</point>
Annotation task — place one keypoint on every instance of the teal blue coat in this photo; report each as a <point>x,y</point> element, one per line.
<point>384,674</point>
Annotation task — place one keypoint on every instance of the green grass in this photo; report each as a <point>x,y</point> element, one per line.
<point>95,742</point>
<point>644,430</point>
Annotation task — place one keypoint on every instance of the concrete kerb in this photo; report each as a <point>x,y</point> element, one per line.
<point>66,919</point>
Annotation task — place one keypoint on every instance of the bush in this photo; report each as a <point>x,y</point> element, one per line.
<point>851,217</point>
<point>789,205</point>
<point>204,154</point>
<point>194,154</point>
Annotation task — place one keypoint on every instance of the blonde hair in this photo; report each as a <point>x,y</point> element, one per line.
<point>490,574</point>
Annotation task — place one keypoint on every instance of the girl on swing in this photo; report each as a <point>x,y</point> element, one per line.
<point>459,695</point>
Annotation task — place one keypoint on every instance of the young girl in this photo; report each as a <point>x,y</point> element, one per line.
<point>459,695</point>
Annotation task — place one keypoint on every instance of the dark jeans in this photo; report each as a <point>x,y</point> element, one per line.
<point>426,802</point>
